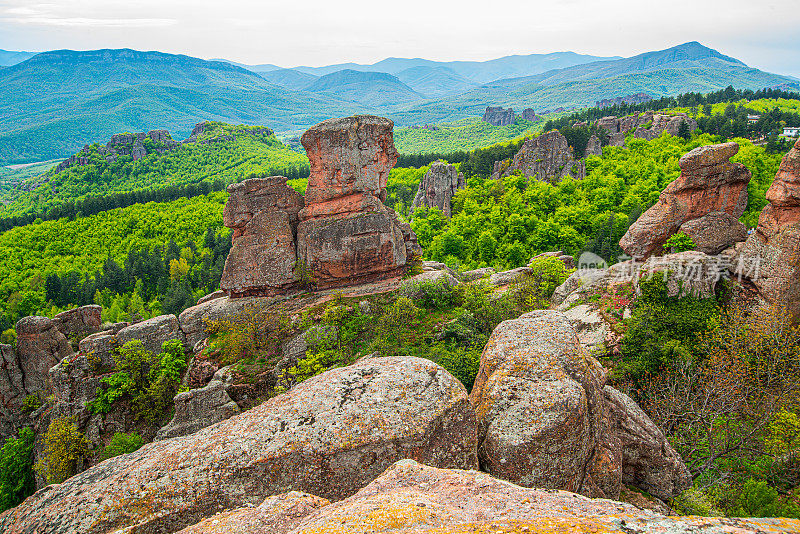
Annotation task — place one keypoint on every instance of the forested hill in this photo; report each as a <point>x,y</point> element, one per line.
<point>106,176</point>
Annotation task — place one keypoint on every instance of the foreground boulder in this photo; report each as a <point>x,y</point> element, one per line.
<point>714,232</point>
<point>330,436</point>
<point>708,182</point>
<point>538,398</point>
<point>771,256</point>
<point>411,498</point>
<point>544,420</point>
<point>437,187</point>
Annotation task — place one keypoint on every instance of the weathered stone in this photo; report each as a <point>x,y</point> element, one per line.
<point>12,391</point>
<point>648,460</point>
<point>566,259</point>
<point>497,116</point>
<point>550,438</point>
<point>79,321</point>
<point>714,232</point>
<point>352,250</point>
<point>416,499</point>
<point>329,435</point>
<point>100,346</point>
<point>437,187</point>
<point>504,278</point>
<point>548,157</point>
<point>594,147</point>
<point>709,182</point>
<point>589,326</point>
<point>199,408</point>
<point>770,258</point>
<point>529,114</point>
<point>40,346</point>
<point>153,332</point>
<point>278,514</point>
<point>477,274</point>
<point>349,156</point>
<point>256,195</point>
<point>218,294</point>
<point>263,213</point>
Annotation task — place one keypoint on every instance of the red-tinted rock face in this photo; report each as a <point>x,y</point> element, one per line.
<point>771,255</point>
<point>263,213</point>
<point>708,182</point>
<point>341,232</point>
<point>349,156</point>
<point>346,235</point>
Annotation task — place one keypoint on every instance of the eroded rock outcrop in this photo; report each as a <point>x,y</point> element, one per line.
<point>497,116</point>
<point>438,186</point>
<point>346,235</point>
<point>340,234</point>
<point>544,420</point>
<point>647,125</point>
<point>714,232</point>
<point>330,436</point>
<point>415,499</point>
<point>770,257</point>
<point>709,182</point>
<point>263,213</point>
<point>40,346</point>
<point>547,157</point>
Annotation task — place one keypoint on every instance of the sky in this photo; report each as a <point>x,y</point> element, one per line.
<point>764,34</point>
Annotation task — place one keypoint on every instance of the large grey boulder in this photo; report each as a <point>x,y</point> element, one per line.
<point>546,420</point>
<point>153,332</point>
<point>437,187</point>
<point>202,407</point>
<point>506,277</point>
<point>330,435</point>
<point>79,321</point>
<point>538,398</point>
<point>194,321</point>
<point>40,346</point>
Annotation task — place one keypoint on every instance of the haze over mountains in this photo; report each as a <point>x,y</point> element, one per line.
<point>53,103</point>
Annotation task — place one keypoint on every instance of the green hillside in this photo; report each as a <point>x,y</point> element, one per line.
<point>465,134</point>
<point>75,249</point>
<point>222,153</point>
<point>58,100</point>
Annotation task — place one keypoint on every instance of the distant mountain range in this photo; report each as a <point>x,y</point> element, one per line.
<point>53,103</point>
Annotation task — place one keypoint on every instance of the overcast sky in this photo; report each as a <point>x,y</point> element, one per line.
<point>763,34</point>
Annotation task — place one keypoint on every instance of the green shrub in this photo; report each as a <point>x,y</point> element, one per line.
<point>679,242</point>
<point>122,443</point>
<point>64,447</point>
<point>149,380</point>
<point>16,469</point>
<point>252,333</point>
<point>31,403</point>
<point>462,363</point>
<point>757,499</point>
<point>661,329</point>
<point>9,337</point>
<point>431,294</point>
<point>533,289</point>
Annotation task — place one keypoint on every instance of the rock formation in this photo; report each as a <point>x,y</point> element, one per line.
<point>714,232</point>
<point>594,147</point>
<point>770,257</point>
<point>264,214</point>
<point>708,182</point>
<point>647,125</point>
<point>40,346</point>
<point>497,116</point>
<point>124,144</point>
<point>417,499</point>
<point>543,419</point>
<point>341,233</point>
<point>330,436</point>
<point>438,186</point>
<point>529,114</point>
<point>547,157</point>
<point>638,98</point>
